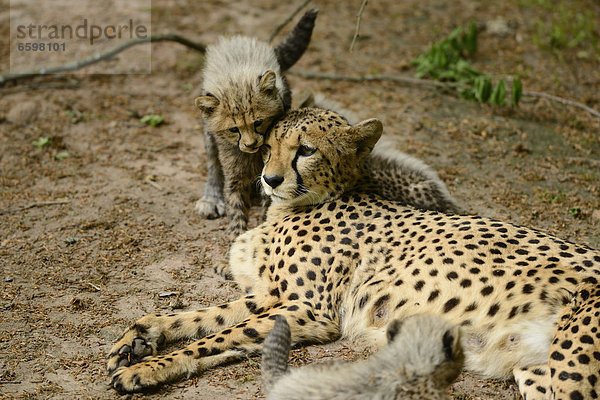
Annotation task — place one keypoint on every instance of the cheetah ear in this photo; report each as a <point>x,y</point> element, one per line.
<point>450,342</point>
<point>393,329</point>
<point>267,83</point>
<point>207,104</point>
<point>364,135</point>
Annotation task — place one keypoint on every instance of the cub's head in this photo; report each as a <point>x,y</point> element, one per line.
<point>313,155</point>
<point>241,112</point>
<point>425,345</point>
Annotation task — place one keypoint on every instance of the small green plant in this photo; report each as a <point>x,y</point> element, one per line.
<point>152,119</point>
<point>61,156</point>
<point>575,211</point>
<point>445,61</point>
<point>41,142</point>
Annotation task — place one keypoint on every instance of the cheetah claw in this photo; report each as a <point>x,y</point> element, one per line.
<point>129,354</point>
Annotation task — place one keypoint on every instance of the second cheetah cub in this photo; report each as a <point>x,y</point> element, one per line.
<point>422,359</point>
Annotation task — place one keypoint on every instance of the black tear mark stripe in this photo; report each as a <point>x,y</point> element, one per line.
<point>300,189</point>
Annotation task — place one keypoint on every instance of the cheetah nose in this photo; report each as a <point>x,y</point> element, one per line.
<point>252,145</point>
<point>273,180</point>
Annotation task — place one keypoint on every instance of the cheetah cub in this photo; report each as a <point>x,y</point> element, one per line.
<point>422,358</point>
<point>245,91</point>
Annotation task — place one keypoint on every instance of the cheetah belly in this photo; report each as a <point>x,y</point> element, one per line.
<point>491,352</point>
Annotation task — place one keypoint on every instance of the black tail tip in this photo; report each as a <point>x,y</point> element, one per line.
<point>312,13</point>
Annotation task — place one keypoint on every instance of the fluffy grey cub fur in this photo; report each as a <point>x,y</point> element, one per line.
<point>423,357</point>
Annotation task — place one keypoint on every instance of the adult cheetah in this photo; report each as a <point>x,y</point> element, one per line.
<point>336,262</point>
<point>422,358</point>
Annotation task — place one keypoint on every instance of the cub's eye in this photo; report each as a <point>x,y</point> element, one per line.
<point>306,151</point>
<point>235,129</point>
<point>258,123</point>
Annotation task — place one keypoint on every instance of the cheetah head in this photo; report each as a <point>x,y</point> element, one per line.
<point>243,114</point>
<point>312,156</point>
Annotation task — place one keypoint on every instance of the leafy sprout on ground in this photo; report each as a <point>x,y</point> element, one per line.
<point>61,156</point>
<point>41,142</point>
<point>152,119</point>
<point>446,60</point>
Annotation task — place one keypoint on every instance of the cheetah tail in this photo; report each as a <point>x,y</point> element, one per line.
<point>276,351</point>
<point>293,46</point>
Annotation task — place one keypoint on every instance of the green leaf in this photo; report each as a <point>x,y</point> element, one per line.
<point>498,96</point>
<point>517,91</point>
<point>61,156</point>
<point>482,88</point>
<point>41,142</point>
<point>470,39</point>
<point>152,119</point>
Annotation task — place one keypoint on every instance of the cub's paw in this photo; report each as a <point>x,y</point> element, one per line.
<point>123,354</point>
<point>137,378</point>
<point>210,207</point>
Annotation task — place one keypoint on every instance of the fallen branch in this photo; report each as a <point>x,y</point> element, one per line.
<point>432,83</point>
<point>371,78</point>
<point>562,101</point>
<point>279,27</point>
<point>358,18</point>
<point>97,57</point>
<point>33,205</point>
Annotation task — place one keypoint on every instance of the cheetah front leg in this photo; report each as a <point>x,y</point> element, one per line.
<point>575,350</point>
<point>212,203</point>
<point>149,333</point>
<point>533,381</point>
<point>228,344</point>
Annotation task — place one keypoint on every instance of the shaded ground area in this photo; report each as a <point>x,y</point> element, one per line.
<point>122,240</point>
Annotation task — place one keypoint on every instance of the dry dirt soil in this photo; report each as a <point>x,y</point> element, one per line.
<point>94,240</point>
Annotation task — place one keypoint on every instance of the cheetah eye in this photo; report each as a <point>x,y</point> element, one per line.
<point>258,123</point>
<point>235,129</point>
<point>306,151</point>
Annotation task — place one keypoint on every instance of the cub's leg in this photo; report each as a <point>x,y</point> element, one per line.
<point>575,350</point>
<point>212,203</point>
<point>533,381</point>
<point>231,343</point>
<point>149,333</point>
<point>237,194</point>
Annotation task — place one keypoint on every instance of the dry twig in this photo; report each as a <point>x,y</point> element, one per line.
<point>94,58</point>
<point>279,27</point>
<point>432,83</point>
<point>358,18</point>
<point>33,205</point>
<point>561,101</point>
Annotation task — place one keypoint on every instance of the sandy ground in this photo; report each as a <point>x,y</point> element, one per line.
<point>121,239</point>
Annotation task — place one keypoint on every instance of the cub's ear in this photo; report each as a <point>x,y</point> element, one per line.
<point>206,104</point>
<point>267,82</point>
<point>364,135</point>
<point>309,101</point>
<point>393,329</point>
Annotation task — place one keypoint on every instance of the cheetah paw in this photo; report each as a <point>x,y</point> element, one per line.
<point>127,355</point>
<point>210,207</point>
<point>136,378</point>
